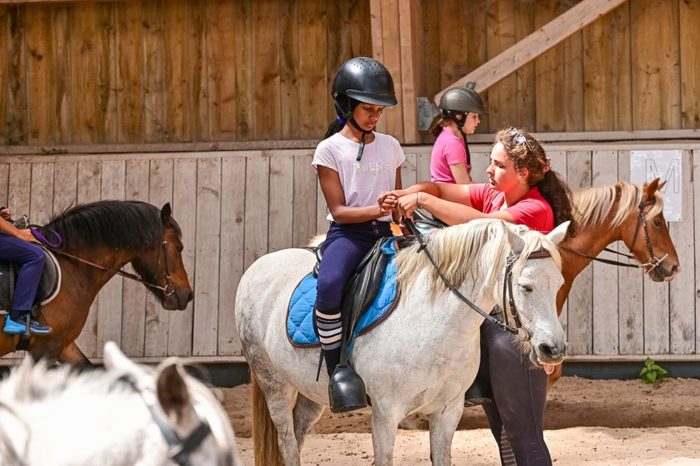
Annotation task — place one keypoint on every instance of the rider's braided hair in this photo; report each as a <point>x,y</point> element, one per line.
<point>526,152</point>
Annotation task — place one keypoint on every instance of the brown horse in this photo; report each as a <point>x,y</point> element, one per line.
<point>97,240</point>
<point>618,212</point>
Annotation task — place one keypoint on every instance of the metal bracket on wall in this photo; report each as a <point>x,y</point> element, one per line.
<point>427,111</point>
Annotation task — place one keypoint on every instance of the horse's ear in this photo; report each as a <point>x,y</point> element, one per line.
<point>517,244</point>
<point>114,359</point>
<point>172,389</point>
<point>650,188</point>
<point>166,212</point>
<point>661,185</point>
<point>558,234</point>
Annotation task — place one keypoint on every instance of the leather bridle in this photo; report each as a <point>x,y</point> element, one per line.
<point>648,266</point>
<point>167,288</point>
<point>507,286</point>
<point>179,448</point>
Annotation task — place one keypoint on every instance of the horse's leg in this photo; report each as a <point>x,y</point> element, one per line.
<point>306,414</point>
<point>443,425</point>
<point>279,398</point>
<point>71,354</point>
<point>385,421</point>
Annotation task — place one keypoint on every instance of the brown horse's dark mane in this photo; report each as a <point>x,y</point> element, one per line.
<point>132,225</point>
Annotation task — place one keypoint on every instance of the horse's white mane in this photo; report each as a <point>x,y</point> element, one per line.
<point>593,205</point>
<point>31,382</point>
<point>477,248</point>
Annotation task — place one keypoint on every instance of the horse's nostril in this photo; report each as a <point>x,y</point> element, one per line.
<point>676,269</point>
<point>553,352</point>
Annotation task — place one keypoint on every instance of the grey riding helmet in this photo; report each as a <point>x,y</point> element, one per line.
<point>463,100</point>
<point>364,80</point>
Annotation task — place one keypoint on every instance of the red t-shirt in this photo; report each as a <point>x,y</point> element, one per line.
<point>532,210</point>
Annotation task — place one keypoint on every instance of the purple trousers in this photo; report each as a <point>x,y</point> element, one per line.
<point>343,250</point>
<point>31,259</point>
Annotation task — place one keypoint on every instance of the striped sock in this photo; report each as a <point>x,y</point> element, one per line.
<point>330,328</point>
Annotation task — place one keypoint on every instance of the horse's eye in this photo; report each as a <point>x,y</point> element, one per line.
<point>656,223</point>
<point>180,248</point>
<point>526,288</point>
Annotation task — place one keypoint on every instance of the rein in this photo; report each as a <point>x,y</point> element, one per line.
<point>653,262</point>
<point>507,285</point>
<point>168,289</point>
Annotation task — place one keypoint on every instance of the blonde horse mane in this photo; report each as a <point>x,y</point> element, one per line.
<point>476,248</point>
<point>592,206</point>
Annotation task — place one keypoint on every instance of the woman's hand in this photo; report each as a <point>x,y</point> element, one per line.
<point>410,202</point>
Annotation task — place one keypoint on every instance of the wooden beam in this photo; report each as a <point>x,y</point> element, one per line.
<point>534,45</point>
<point>397,30</point>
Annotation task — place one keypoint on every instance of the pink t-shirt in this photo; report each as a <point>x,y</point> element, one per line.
<point>532,210</point>
<point>447,150</point>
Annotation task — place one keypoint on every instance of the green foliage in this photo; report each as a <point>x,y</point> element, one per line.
<point>652,372</point>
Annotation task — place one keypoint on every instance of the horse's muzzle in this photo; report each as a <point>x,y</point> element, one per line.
<point>550,353</point>
<point>664,273</point>
<point>177,301</point>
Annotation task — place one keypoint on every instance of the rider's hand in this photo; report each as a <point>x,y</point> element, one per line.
<point>26,235</point>
<point>387,201</point>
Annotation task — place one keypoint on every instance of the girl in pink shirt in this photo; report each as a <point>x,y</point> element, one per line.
<point>460,110</point>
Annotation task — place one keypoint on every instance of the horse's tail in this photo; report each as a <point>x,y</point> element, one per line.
<point>265,446</point>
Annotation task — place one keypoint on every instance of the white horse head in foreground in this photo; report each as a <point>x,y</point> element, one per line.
<point>126,415</point>
<point>422,357</point>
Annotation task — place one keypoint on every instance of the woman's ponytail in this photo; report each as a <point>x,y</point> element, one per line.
<point>557,193</point>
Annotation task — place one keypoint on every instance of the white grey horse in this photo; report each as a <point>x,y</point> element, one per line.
<point>126,415</point>
<point>421,358</point>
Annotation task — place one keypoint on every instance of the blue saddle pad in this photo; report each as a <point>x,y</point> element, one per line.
<point>300,316</point>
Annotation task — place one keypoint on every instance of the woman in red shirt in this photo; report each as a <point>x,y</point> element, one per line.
<point>522,189</point>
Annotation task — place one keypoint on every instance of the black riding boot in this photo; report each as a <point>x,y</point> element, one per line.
<point>478,393</point>
<point>346,390</point>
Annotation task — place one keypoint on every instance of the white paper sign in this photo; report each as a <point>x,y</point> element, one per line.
<point>645,165</point>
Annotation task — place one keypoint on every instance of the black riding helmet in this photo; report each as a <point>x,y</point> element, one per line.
<point>463,100</point>
<point>364,80</point>
<point>361,79</point>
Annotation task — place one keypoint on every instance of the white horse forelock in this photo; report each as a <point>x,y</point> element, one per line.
<point>472,249</point>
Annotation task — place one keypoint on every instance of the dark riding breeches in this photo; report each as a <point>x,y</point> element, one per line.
<point>519,396</point>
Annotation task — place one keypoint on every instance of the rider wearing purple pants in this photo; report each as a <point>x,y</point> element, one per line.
<point>16,246</point>
<point>355,165</point>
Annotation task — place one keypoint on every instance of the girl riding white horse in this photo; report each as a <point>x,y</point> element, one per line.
<point>424,355</point>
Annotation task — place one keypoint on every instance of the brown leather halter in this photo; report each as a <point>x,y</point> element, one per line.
<point>167,288</point>
<point>648,266</point>
<point>507,285</point>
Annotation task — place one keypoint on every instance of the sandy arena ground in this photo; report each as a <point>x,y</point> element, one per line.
<point>593,422</point>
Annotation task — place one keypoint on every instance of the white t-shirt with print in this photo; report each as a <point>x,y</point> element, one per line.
<point>362,181</point>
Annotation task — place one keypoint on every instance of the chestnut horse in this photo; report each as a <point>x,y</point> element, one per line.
<point>625,212</point>
<point>97,240</point>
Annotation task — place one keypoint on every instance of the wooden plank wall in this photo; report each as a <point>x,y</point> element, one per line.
<point>240,70</point>
<point>236,206</point>
<point>612,75</point>
<point>173,70</point>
